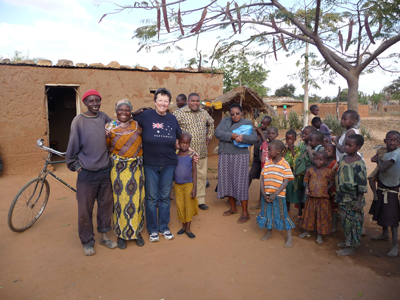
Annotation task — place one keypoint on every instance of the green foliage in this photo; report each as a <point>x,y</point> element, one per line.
<point>286,91</point>
<point>366,133</point>
<point>279,122</point>
<point>294,121</point>
<point>18,56</point>
<point>238,70</point>
<point>333,125</point>
<point>393,90</point>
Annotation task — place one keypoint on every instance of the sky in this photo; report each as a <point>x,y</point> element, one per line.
<point>69,29</point>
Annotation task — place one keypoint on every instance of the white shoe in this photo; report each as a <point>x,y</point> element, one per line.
<point>154,237</point>
<point>167,235</point>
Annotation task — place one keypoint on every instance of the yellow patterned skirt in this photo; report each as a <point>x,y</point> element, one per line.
<point>187,207</point>
<point>127,178</point>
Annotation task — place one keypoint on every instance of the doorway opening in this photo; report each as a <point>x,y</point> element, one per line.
<point>61,110</point>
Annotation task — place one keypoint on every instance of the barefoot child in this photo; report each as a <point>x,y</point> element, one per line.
<point>274,179</point>
<point>333,165</point>
<point>351,185</point>
<point>255,170</point>
<point>289,154</point>
<point>317,214</point>
<point>272,134</point>
<point>350,119</point>
<point>301,164</point>
<point>185,185</point>
<point>386,208</point>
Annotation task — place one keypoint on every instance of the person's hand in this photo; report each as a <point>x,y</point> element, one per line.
<point>208,140</point>
<point>374,158</point>
<point>307,192</point>
<point>336,139</point>
<point>193,193</point>
<point>375,196</point>
<point>267,198</point>
<point>79,170</point>
<point>196,156</point>
<point>290,147</point>
<point>146,108</point>
<point>239,139</point>
<point>272,197</point>
<point>177,147</point>
<point>357,206</point>
<point>234,136</point>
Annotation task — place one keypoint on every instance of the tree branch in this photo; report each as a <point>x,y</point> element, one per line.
<point>317,12</point>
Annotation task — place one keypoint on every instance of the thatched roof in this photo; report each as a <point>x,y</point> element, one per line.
<point>280,101</point>
<point>247,97</point>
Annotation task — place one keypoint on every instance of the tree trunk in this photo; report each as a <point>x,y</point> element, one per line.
<point>305,102</point>
<point>352,96</point>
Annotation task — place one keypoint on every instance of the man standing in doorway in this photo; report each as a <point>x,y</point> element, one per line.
<point>200,125</point>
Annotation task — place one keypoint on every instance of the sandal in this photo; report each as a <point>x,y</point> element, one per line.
<point>108,243</point>
<point>243,220</point>
<point>121,244</point>
<point>229,212</point>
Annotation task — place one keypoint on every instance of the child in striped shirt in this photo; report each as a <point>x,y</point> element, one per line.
<point>274,179</point>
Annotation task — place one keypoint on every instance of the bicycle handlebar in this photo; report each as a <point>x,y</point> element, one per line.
<point>40,145</point>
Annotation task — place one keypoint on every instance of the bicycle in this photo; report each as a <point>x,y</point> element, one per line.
<point>30,202</point>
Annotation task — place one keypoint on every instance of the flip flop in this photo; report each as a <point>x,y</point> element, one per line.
<point>244,220</point>
<point>229,212</point>
<point>109,244</point>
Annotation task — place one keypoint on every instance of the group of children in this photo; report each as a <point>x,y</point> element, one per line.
<point>326,180</point>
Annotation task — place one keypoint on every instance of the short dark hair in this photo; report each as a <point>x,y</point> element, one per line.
<point>273,128</point>
<point>323,153</point>
<point>312,107</point>
<point>185,134</point>
<point>193,94</point>
<point>357,138</point>
<point>392,132</point>
<point>162,91</point>
<point>291,132</point>
<point>318,135</point>
<point>353,114</point>
<point>267,118</point>
<point>277,144</point>
<point>316,120</point>
<point>312,128</point>
<point>235,105</point>
<point>183,96</point>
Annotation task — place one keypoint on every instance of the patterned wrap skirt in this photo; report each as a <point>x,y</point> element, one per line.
<point>317,215</point>
<point>186,206</point>
<point>233,176</point>
<point>352,223</point>
<point>127,178</point>
<point>275,215</point>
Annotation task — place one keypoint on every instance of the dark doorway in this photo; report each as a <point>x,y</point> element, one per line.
<point>61,106</point>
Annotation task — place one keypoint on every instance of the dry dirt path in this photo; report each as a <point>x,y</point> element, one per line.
<point>225,261</point>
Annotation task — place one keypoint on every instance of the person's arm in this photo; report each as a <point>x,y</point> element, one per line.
<point>210,128</point>
<point>280,189</point>
<point>307,192</point>
<point>250,139</point>
<point>307,180</point>
<point>372,184</point>
<point>362,188</point>
<point>384,165</point>
<point>266,196</point>
<point>310,153</point>
<point>358,205</point>
<point>284,151</point>
<point>73,149</point>
<point>224,135</point>
<point>341,147</point>
<point>140,110</point>
<point>194,175</point>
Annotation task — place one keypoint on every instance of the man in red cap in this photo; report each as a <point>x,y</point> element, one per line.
<point>88,155</point>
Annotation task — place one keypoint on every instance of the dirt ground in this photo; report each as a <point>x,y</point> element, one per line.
<point>225,261</point>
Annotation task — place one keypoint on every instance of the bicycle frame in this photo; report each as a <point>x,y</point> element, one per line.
<point>43,174</point>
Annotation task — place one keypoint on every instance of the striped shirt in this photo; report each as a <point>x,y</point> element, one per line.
<point>274,174</point>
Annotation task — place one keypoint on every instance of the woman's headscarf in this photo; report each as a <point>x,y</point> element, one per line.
<point>122,102</point>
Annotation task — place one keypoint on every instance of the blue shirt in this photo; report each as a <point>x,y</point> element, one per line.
<point>159,137</point>
<point>183,171</point>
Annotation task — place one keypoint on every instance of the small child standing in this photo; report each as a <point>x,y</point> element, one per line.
<point>255,169</point>
<point>186,185</point>
<point>351,185</point>
<point>333,165</point>
<point>350,119</point>
<point>301,164</point>
<point>274,178</point>
<point>317,123</point>
<point>314,109</point>
<point>386,208</point>
<point>318,211</point>
<point>289,154</point>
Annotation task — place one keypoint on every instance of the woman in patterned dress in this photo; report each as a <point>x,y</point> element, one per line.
<point>233,162</point>
<point>125,145</point>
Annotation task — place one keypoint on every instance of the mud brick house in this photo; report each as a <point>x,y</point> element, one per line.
<point>39,100</point>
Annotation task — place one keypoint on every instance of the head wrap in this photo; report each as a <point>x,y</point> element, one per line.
<point>90,93</point>
<point>121,102</point>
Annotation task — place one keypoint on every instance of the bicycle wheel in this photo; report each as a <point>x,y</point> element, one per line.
<point>28,204</point>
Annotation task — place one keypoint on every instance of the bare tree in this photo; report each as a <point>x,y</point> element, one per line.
<point>372,27</point>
